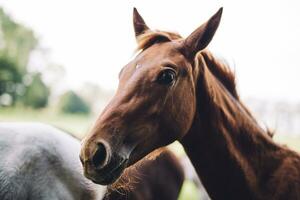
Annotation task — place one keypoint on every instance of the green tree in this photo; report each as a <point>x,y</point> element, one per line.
<point>16,41</point>
<point>16,45</point>
<point>10,79</point>
<point>37,93</point>
<point>70,102</point>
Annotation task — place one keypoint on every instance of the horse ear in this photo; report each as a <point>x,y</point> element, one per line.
<point>201,37</point>
<point>138,23</point>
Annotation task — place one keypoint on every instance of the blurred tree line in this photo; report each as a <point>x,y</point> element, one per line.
<point>18,85</point>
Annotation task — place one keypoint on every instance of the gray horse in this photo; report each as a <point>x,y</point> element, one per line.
<point>40,162</point>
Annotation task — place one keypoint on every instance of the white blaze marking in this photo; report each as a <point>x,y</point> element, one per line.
<point>138,66</point>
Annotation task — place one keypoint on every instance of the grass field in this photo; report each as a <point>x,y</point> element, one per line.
<point>78,125</point>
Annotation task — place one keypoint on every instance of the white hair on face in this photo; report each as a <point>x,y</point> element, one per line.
<point>138,66</point>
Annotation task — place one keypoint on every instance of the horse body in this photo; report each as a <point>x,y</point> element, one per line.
<point>41,162</point>
<point>175,89</point>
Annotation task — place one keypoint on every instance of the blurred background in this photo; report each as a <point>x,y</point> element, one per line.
<point>59,60</point>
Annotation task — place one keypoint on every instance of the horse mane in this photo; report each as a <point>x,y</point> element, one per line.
<point>219,69</point>
<point>224,74</point>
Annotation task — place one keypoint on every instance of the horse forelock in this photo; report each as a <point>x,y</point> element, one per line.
<point>150,37</point>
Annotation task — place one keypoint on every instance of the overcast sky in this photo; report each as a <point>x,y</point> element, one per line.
<point>93,39</point>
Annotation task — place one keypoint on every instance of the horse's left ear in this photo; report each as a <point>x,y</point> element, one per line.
<point>138,23</point>
<point>201,37</point>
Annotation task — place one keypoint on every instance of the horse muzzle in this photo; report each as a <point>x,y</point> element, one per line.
<point>102,166</point>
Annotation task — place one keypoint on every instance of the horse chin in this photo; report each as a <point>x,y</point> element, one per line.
<point>111,176</point>
<point>137,155</point>
<point>108,180</point>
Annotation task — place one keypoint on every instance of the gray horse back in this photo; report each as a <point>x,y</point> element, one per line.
<point>39,162</point>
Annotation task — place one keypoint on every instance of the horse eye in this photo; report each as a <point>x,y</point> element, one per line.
<point>166,77</point>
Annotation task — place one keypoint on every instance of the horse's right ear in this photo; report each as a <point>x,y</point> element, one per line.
<point>139,24</point>
<point>201,37</point>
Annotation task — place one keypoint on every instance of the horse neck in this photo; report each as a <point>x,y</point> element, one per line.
<point>228,149</point>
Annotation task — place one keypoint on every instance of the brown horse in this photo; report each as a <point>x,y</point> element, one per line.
<point>160,177</point>
<point>174,89</point>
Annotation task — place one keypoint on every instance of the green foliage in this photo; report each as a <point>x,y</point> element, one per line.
<point>70,102</point>
<point>16,41</point>
<point>37,93</point>
<point>10,78</point>
<point>16,44</point>
<point>9,71</point>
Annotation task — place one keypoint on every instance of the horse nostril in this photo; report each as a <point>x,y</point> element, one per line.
<point>101,156</point>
